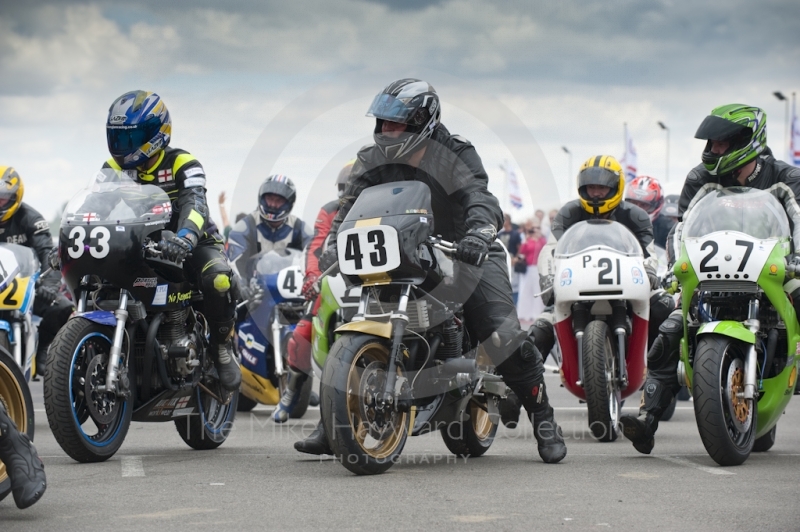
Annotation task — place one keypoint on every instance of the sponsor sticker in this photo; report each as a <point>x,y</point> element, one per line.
<point>193,171</point>
<point>146,282</point>
<point>566,277</point>
<point>194,182</point>
<point>638,277</point>
<point>161,295</point>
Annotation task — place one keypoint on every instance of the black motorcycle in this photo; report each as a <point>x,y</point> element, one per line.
<point>405,364</point>
<point>137,346</point>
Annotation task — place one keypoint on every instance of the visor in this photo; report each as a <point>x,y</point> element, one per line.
<point>716,128</point>
<point>598,176</point>
<point>387,107</point>
<point>124,140</point>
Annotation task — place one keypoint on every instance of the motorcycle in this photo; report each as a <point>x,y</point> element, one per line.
<point>19,269</point>
<point>136,348</point>
<point>338,306</point>
<point>601,315</point>
<point>14,392</point>
<point>404,365</point>
<point>739,350</point>
<point>264,375</point>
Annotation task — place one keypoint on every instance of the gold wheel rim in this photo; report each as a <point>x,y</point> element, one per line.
<point>14,401</point>
<point>482,424</point>
<point>378,449</point>
<point>740,406</point>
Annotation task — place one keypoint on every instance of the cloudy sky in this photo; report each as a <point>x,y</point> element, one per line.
<point>257,87</point>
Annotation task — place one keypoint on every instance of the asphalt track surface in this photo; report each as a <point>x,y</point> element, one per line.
<point>256,481</point>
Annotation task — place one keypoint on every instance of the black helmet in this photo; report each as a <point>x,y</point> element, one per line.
<point>280,185</point>
<point>407,101</point>
<point>344,175</point>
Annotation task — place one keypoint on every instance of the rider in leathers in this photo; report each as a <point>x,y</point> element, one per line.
<point>601,185</point>
<point>736,154</point>
<point>138,133</point>
<point>22,224</point>
<point>412,144</point>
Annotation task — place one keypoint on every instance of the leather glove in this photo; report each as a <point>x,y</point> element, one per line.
<point>175,248</point>
<point>310,288</point>
<point>46,293</point>
<point>653,277</point>
<point>53,259</point>
<point>328,258</point>
<point>474,248</point>
<point>793,265</point>
<point>252,293</point>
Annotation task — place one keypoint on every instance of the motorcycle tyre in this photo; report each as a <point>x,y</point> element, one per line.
<point>245,403</point>
<point>670,410</point>
<point>765,442</point>
<point>194,432</point>
<point>335,409</point>
<point>16,395</point>
<point>474,436</point>
<point>598,354</point>
<point>60,415</point>
<point>708,402</point>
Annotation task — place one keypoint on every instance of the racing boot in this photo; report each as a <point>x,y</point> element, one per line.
<point>291,395</point>
<point>641,430</point>
<point>23,465</point>
<point>549,439</point>
<point>316,443</point>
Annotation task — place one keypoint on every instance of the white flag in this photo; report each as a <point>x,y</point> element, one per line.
<point>794,147</point>
<point>629,158</point>
<point>514,196</point>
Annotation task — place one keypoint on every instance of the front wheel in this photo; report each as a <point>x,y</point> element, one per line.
<point>725,420</point>
<point>366,440</point>
<point>600,381</point>
<point>88,424</point>
<point>16,398</point>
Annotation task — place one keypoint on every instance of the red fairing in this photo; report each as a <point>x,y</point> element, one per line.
<point>636,355</point>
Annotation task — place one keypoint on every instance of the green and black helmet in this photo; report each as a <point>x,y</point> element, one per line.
<point>743,126</point>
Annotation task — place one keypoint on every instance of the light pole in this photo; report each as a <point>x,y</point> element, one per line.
<point>569,166</point>
<point>779,95</point>
<point>666,170</point>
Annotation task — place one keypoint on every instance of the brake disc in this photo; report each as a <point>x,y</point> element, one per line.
<point>102,405</point>
<point>740,408</point>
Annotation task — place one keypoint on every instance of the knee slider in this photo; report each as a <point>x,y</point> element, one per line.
<point>221,283</point>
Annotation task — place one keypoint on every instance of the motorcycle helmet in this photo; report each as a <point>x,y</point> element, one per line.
<point>344,175</point>
<point>138,125</point>
<point>646,192</point>
<point>606,171</point>
<point>744,127</point>
<point>11,190</point>
<point>407,101</point>
<point>282,186</point>
<point>670,209</point>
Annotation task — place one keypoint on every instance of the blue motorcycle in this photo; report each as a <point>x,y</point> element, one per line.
<point>270,324</point>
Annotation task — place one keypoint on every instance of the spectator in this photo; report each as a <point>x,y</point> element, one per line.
<point>530,305</point>
<point>512,239</point>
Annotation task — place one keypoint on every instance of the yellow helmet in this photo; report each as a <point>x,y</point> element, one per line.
<point>11,189</point>
<point>603,170</point>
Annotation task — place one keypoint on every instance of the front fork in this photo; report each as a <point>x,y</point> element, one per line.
<point>277,354</point>
<point>399,322</point>
<point>116,346</point>
<point>752,323</point>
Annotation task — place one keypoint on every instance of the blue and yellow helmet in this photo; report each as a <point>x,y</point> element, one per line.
<point>138,126</point>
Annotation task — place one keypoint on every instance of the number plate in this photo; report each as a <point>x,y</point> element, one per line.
<point>368,250</point>
<point>290,282</point>
<point>728,255</point>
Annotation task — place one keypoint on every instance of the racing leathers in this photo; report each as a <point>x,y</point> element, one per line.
<point>661,384</point>
<point>182,177</point>
<point>464,210</point>
<point>28,228</point>
<point>299,345</point>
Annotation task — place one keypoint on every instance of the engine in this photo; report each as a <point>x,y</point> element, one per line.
<point>180,337</point>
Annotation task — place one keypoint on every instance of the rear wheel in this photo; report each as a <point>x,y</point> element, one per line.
<point>670,410</point>
<point>245,403</point>
<point>725,420</point>
<point>88,424</point>
<point>16,397</point>
<point>765,442</point>
<point>472,437</point>
<point>211,426</point>
<point>600,381</point>
<point>366,440</point>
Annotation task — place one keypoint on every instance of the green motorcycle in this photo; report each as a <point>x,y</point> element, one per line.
<point>739,351</point>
